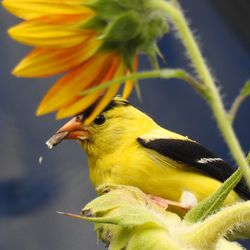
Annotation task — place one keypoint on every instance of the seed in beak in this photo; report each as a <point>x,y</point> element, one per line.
<point>56,139</point>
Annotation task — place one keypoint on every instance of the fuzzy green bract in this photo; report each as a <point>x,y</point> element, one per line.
<point>126,218</point>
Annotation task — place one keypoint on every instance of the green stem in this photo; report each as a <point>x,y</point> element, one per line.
<point>161,73</point>
<point>214,100</point>
<point>217,225</point>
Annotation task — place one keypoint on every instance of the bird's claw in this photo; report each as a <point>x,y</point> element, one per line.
<point>186,202</point>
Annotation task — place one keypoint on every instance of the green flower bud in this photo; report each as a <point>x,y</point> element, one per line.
<point>126,218</point>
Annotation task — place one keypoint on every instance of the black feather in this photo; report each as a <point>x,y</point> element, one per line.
<point>113,103</point>
<point>189,153</point>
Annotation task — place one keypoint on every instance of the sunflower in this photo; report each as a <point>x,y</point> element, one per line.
<point>88,42</point>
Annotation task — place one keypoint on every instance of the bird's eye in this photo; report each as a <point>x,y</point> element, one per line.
<point>79,117</point>
<point>100,119</point>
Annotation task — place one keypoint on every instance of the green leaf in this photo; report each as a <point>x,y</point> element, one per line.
<point>245,91</point>
<point>212,203</point>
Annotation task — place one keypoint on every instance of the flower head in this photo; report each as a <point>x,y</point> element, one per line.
<point>126,218</point>
<point>88,41</point>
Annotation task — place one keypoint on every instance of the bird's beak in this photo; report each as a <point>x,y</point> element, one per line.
<point>73,130</point>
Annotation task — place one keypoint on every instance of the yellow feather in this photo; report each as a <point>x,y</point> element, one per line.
<point>115,157</point>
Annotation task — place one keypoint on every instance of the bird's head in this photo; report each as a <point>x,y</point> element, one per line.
<point>118,125</point>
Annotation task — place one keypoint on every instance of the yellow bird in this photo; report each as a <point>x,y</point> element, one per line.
<point>125,146</point>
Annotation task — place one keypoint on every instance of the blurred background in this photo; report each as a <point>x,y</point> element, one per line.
<point>32,192</point>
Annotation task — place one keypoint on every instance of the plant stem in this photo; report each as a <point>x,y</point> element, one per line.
<point>217,225</point>
<point>214,100</point>
<point>159,73</point>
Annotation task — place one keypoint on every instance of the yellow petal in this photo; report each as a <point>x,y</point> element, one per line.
<point>29,9</point>
<point>82,103</point>
<point>47,62</point>
<point>129,85</point>
<point>52,31</point>
<point>110,93</point>
<point>68,88</point>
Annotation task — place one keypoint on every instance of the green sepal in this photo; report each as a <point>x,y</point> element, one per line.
<point>128,52</point>
<point>107,10</point>
<point>95,23</point>
<point>245,91</point>
<point>152,52</point>
<point>138,92</point>
<point>113,8</point>
<point>154,25</point>
<point>248,157</point>
<point>124,28</point>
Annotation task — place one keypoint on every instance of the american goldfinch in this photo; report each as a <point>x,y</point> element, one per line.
<point>125,146</point>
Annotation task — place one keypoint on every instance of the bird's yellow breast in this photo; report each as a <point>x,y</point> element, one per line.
<point>116,157</point>
<point>138,167</point>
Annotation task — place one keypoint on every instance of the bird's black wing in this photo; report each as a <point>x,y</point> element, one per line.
<point>193,154</point>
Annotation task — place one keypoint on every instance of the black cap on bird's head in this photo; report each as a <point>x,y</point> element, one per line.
<point>115,102</point>
<point>75,129</point>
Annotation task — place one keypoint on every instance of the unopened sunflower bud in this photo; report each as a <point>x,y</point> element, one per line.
<point>126,218</point>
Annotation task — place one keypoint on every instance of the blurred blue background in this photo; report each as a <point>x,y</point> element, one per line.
<point>31,193</point>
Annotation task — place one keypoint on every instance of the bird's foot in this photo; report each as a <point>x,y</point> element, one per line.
<point>163,203</point>
<point>187,201</point>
